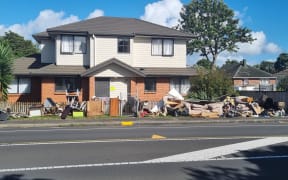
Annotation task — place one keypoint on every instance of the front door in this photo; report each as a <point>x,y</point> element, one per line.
<point>102,87</point>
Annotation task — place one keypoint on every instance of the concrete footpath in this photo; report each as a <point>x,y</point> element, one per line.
<point>123,122</point>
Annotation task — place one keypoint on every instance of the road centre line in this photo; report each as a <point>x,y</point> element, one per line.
<point>123,140</point>
<point>209,154</point>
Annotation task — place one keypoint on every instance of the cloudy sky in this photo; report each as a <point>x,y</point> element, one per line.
<point>265,18</point>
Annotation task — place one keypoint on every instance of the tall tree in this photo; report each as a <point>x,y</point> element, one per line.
<point>215,28</point>
<point>20,47</point>
<point>205,63</point>
<point>6,70</point>
<point>267,66</point>
<point>281,62</point>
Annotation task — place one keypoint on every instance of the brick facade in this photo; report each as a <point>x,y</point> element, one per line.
<point>162,88</point>
<point>42,88</point>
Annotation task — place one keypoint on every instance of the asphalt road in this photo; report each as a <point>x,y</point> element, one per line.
<point>131,153</point>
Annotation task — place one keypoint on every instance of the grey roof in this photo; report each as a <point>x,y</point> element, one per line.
<point>106,26</point>
<point>164,71</point>
<point>282,73</point>
<point>245,71</point>
<point>94,70</point>
<point>31,65</point>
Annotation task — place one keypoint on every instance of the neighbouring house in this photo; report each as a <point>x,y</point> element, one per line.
<point>104,57</point>
<point>248,78</point>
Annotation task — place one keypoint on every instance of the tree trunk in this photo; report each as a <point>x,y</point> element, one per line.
<point>213,66</point>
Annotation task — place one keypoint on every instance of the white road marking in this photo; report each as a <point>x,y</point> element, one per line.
<point>123,140</point>
<point>210,154</point>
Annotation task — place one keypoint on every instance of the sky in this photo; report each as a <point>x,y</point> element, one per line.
<point>265,18</point>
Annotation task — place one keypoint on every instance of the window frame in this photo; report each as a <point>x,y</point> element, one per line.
<point>74,51</point>
<point>180,83</point>
<point>18,83</point>
<point>75,81</point>
<point>162,53</point>
<point>123,48</point>
<point>150,82</point>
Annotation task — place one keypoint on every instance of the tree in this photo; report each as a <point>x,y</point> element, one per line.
<point>267,66</point>
<point>20,47</point>
<point>6,71</point>
<point>205,63</point>
<point>215,28</point>
<point>281,62</point>
<point>211,85</point>
<point>283,84</point>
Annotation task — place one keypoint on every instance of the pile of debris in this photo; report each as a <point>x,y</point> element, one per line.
<point>238,106</point>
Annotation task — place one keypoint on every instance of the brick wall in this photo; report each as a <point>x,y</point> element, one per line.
<point>162,88</point>
<point>48,91</point>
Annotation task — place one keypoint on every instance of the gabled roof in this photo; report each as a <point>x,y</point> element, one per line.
<point>31,65</point>
<point>108,63</point>
<point>242,70</point>
<point>115,26</point>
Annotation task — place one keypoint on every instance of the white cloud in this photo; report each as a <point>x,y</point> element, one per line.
<point>96,13</point>
<point>46,18</point>
<point>164,12</point>
<point>258,46</point>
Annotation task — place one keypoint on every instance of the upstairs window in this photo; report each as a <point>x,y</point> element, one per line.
<point>123,45</point>
<point>73,44</point>
<point>162,47</point>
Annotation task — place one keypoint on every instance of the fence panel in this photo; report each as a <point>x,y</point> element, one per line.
<point>18,107</point>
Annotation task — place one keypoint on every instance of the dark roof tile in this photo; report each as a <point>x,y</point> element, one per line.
<point>106,26</point>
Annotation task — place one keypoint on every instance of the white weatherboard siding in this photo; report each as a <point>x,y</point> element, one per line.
<point>72,59</point>
<point>143,58</point>
<point>107,48</point>
<point>48,51</point>
<point>118,88</point>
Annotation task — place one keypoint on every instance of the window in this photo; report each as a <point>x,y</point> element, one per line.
<point>182,85</point>
<point>68,84</point>
<point>20,86</point>
<point>150,84</point>
<point>73,44</point>
<point>123,45</point>
<point>162,47</point>
<point>245,82</point>
<point>264,82</point>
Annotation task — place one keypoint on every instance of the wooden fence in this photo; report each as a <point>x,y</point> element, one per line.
<point>18,107</point>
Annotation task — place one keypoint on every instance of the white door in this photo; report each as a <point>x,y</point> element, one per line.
<point>118,88</point>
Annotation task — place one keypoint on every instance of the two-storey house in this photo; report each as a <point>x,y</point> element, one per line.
<point>104,57</point>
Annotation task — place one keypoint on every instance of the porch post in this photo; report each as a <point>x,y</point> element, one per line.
<point>91,87</point>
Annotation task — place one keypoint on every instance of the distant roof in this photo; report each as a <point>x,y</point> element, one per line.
<point>32,66</point>
<point>242,70</point>
<point>106,26</point>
